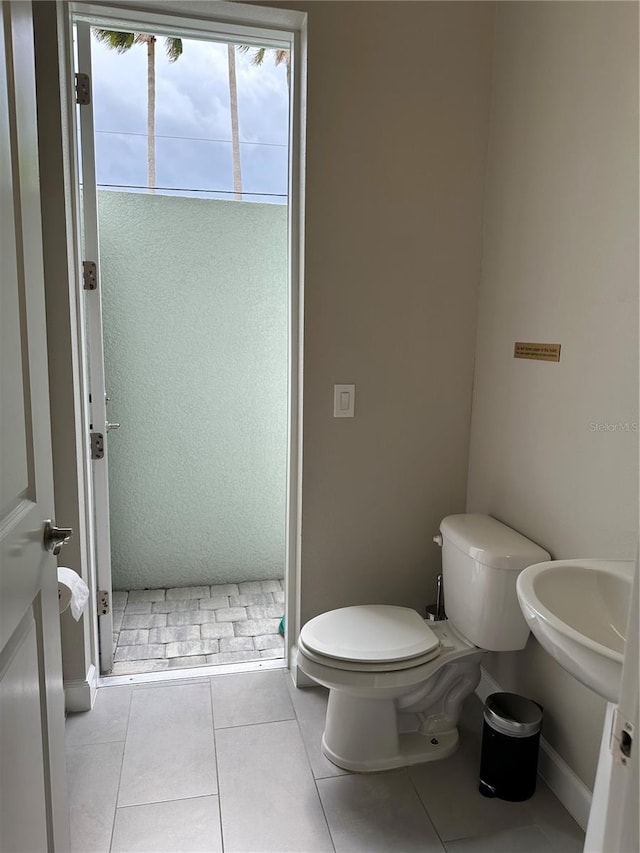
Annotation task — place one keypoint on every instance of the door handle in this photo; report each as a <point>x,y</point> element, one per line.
<point>111,426</point>
<point>55,537</point>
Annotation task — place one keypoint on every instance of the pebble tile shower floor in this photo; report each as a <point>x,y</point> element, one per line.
<point>161,629</point>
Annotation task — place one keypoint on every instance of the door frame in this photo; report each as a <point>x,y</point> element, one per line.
<point>94,357</point>
<point>250,24</point>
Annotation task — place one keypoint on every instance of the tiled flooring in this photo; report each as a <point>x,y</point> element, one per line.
<point>233,763</point>
<point>157,629</point>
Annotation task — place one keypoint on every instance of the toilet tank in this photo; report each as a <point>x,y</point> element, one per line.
<point>481,561</point>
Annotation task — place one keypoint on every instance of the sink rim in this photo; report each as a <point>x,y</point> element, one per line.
<point>622,569</point>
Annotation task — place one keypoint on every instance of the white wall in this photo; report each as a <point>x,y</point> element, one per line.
<point>560,265</point>
<point>398,109</point>
<point>195,302</point>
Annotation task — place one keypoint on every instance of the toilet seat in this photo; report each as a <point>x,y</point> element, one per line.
<point>356,666</point>
<point>369,638</point>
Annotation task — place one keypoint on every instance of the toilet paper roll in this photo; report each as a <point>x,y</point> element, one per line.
<point>72,591</point>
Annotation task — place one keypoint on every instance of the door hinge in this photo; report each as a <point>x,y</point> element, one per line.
<point>103,602</point>
<point>621,738</point>
<point>89,275</point>
<point>83,90</point>
<point>97,445</point>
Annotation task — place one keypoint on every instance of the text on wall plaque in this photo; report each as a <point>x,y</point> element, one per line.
<point>542,352</point>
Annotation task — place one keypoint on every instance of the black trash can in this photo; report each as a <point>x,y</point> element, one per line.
<point>510,741</point>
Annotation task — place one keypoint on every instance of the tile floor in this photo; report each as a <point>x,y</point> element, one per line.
<point>233,763</point>
<point>157,629</point>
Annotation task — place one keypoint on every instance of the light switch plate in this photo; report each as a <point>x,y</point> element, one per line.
<point>344,401</point>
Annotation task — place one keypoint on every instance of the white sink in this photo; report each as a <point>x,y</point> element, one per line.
<point>578,611</point>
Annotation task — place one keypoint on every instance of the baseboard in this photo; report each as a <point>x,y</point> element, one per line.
<point>568,788</point>
<point>80,695</point>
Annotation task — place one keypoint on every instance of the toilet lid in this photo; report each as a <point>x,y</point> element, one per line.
<point>369,633</point>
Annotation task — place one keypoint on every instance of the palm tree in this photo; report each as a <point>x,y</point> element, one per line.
<point>121,42</point>
<point>235,133</point>
<point>280,55</point>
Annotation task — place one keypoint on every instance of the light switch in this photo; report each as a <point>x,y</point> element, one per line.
<point>344,400</point>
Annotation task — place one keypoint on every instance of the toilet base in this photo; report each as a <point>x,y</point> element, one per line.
<point>413,748</point>
<point>364,736</point>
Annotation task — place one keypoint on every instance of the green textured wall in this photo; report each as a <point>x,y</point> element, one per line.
<point>194,296</point>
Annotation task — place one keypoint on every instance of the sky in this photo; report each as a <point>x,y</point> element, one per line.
<point>192,110</point>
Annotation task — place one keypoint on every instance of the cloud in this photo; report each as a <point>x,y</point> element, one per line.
<point>193,125</point>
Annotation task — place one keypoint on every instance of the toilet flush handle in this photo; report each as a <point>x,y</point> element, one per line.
<point>438,539</point>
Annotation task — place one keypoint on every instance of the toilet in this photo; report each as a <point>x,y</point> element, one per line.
<point>397,682</point>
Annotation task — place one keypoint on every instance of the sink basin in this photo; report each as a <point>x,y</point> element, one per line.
<point>578,609</point>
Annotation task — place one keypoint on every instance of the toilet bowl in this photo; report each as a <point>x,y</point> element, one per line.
<point>387,711</point>
<point>397,682</point>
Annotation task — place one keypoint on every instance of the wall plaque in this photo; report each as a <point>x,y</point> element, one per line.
<point>541,352</point>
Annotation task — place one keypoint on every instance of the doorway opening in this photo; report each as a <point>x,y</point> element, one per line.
<point>189,322</point>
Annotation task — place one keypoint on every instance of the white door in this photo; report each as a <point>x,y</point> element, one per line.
<point>33,804</point>
<point>93,315</point>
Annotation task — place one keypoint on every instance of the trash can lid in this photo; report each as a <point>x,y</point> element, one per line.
<point>512,714</point>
